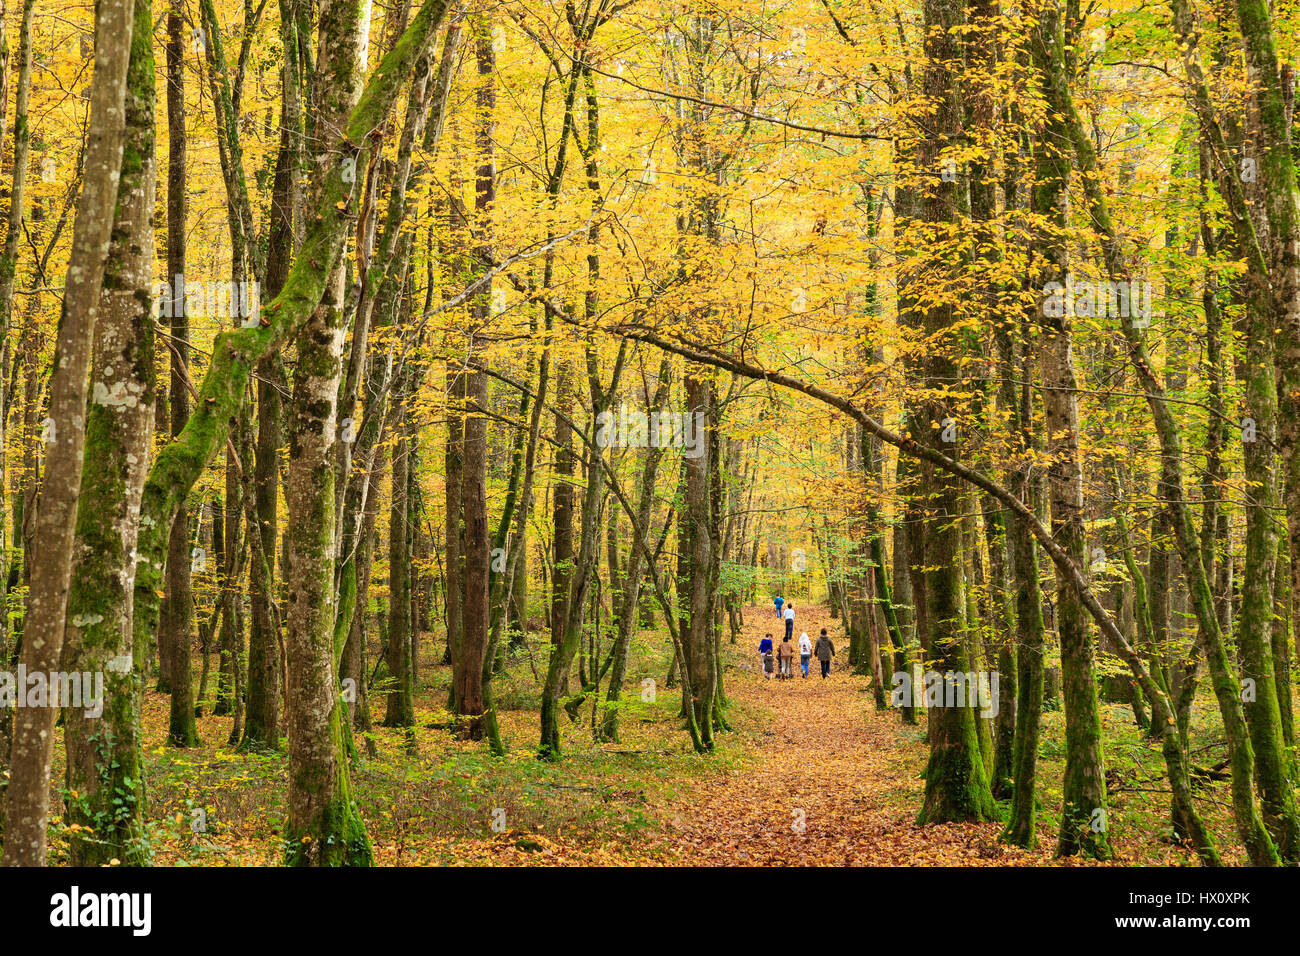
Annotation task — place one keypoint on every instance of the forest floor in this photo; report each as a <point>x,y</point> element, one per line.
<point>830,780</point>
<point>809,773</point>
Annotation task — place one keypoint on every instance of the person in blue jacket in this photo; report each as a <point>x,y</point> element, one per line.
<point>778,602</point>
<point>765,655</point>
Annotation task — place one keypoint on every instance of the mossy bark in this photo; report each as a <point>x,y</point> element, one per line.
<point>1083,815</point>
<point>902,596</point>
<point>468,673</point>
<point>105,776</point>
<point>454,466</point>
<point>54,524</point>
<point>1255,622</point>
<point>176,612</point>
<point>1271,116</point>
<point>1020,829</point>
<point>1002,774</point>
<point>323,826</point>
<point>1281,641</point>
<point>956,784</point>
<point>562,492</point>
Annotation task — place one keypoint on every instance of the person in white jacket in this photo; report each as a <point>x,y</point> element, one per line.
<point>805,652</point>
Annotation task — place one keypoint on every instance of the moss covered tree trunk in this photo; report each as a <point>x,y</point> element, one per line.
<point>956,784</point>
<point>14,547</point>
<point>323,827</point>
<point>873,577</point>
<point>353,664</point>
<point>106,799</point>
<point>1255,622</point>
<point>1270,117</point>
<point>262,723</point>
<point>1281,641</point>
<point>8,269</point>
<point>1020,828</point>
<point>902,596</point>
<point>1083,814</point>
<point>454,463</point>
<point>31,751</point>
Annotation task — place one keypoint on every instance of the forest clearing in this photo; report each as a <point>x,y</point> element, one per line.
<point>633,433</point>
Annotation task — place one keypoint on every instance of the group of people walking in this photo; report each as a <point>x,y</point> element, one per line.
<point>781,658</point>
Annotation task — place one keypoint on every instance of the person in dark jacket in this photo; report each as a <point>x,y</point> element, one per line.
<point>824,651</point>
<point>765,655</point>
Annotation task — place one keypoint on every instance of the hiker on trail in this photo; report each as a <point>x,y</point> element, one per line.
<point>825,650</point>
<point>787,655</point>
<point>778,601</point>
<point>805,652</point>
<point>789,622</point>
<point>765,655</point>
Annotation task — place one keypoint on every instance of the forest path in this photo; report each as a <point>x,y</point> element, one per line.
<point>833,781</point>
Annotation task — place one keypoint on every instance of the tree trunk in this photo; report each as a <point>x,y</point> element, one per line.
<point>956,784</point>
<point>562,514</point>
<point>400,710</point>
<point>27,807</point>
<point>105,778</point>
<point>175,634</point>
<point>323,827</point>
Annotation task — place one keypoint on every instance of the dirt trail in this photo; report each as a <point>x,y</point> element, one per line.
<point>835,782</point>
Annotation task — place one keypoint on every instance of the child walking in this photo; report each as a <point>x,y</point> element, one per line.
<point>805,652</point>
<point>765,656</point>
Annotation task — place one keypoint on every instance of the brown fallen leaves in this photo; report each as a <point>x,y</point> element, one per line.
<point>832,781</point>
